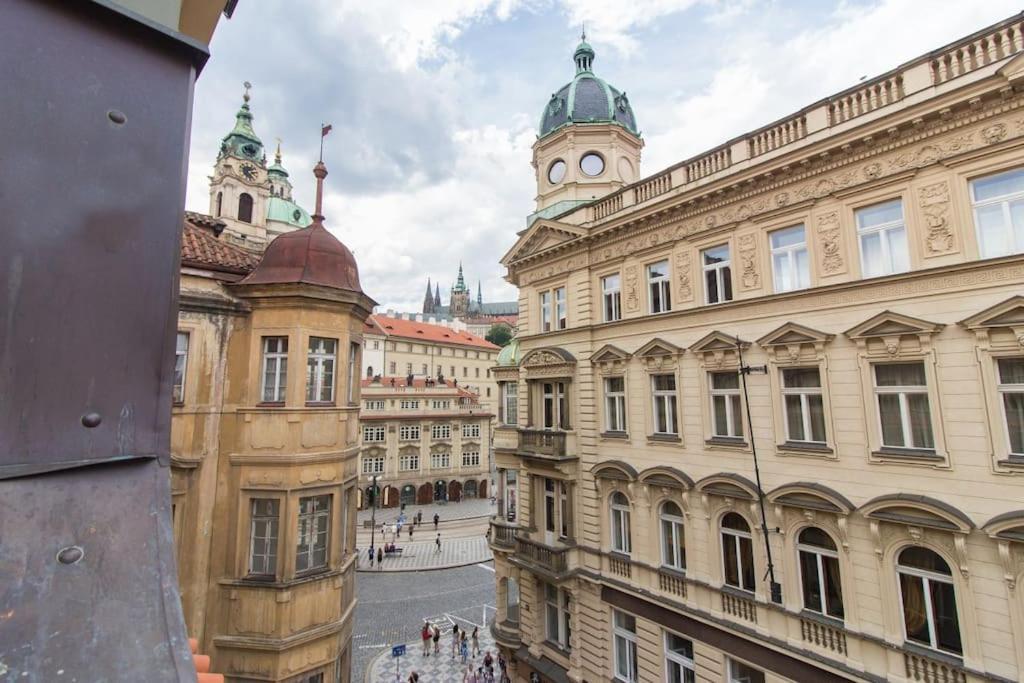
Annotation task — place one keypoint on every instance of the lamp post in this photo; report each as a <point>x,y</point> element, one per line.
<point>373,513</point>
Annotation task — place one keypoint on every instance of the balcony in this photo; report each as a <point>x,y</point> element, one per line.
<point>506,633</point>
<point>503,534</point>
<point>553,560</point>
<point>542,443</point>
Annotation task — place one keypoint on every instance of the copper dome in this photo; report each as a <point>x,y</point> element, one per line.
<point>311,256</point>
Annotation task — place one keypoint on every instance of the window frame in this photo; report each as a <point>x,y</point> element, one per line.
<point>1003,389</point>
<point>559,606</point>
<point>884,229</point>
<point>545,311</point>
<point>721,276</point>
<point>378,430</point>
<point>927,577</point>
<point>669,410</point>
<point>733,405</point>
<point>620,532</point>
<point>615,418</point>
<point>409,462</point>
<point>561,309</point>
<point>820,553</point>
<point>627,673</point>
<point>611,297</point>
<point>677,525</point>
<point>441,431</point>
<point>178,387</point>
<point>686,664</point>
<point>315,515</point>
<point>805,413</point>
<point>791,253</point>
<point>441,460</point>
<point>510,403</point>
<point>280,387</point>
<point>559,401</point>
<point>1002,200</point>
<point>659,287</point>
<point>737,537</point>
<point>408,429</point>
<point>321,370</point>
<point>253,518</point>
<point>471,458</point>
<point>902,392</point>
<point>731,663</point>
<point>373,464</point>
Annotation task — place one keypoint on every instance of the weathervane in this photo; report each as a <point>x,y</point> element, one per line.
<point>247,85</point>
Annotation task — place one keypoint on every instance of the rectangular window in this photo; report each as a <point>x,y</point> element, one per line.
<point>408,369</point>
<point>376,345</point>
<point>441,405</point>
<point>373,434</point>
<point>452,368</point>
<point>441,432</point>
<point>998,203</point>
<point>556,408</point>
<point>374,405</point>
<point>441,460</point>
<point>545,311</point>
<point>263,537</point>
<point>726,413</point>
<point>409,433</point>
<point>883,239</point>
<point>353,373</point>
<point>510,402</point>
<point>679,666</point>
<point>407,404</point>
<point>611,295</point>
<point>1011,390</point>
<point>476,371</point>
<point>320,370</point>
<point>423,370</point>
<point>465,371</point>
<point>557,615</point>
<point>615,404</point>
<point>409,462</point>
<point>791,266</point>
<point>717,274</point>
<point>549,505</point>
<point>805,412</point>
<point>391,368</point>
<point>624,646</point>
<point>471,431</point>
<point>561,311</point>
<point>743,673</point>
<point>471,459</point>
<point>373,464</point>
<point>663,389</point>
<point>314,522</point>
<point>180,362</point>
<point>904,416</point>
<point>275,369</point>
<point>659,287</point>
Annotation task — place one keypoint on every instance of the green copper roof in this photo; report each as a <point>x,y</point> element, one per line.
<point>286,211</point>
<point>510,354</point>
<point>242,141</point>
<point>276,168</point>
<point>460,283</point>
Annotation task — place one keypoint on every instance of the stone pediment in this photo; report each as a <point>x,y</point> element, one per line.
<point>890,324</point>
<point>806,495</point>
<point>547,357</point>
<point>658,347</point>
<point>1009,313</point>
<point>666,476</point>
<point>614,469</point>
<point>717,342</point>
<point>918,511</point>
<point>542,235</point>
<point>794,333</point>
<point>728,485</point>
<point>1013,70</point>
<point>609,354</point>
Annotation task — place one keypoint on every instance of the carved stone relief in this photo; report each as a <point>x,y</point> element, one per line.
<point>632,278</point>
<point>685,292</point>
<point>939,237</point>
<point>749,277</point>
<point>830,240</point>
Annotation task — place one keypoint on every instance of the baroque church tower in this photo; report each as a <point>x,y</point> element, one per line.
<point>254,200</point>
<point>588,145</point>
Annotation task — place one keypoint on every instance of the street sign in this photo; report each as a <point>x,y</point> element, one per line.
<point>398,650</point>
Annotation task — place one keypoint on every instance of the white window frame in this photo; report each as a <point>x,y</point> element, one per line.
<point>734,421</point>
<point>790,277</point>
<point>557,397</point>
<point>886,230</point>
<point>1017,241</point>
<point>441,405</point>
<point>279,357</point>
<point>561,309</point>
<point>545,311</point>
<point>374,433</point>
<point>720,276</point>
<point>409,433</point>
<point>311,539</point>
<point>353,373</point>
<point>927,578</point>
<point>409,404</point>
<point>375,404</point>
<point>471,430</point>
<point>1003,390</point>
<point>625,671</point>
<point>272,536</point>
<point>805,405</point>
<point>320,369</point>
<point>441,460</point>
<point>903,392</point>
<point>441,432</point>
<point>735,536</point>
<point>620,531</point>
<point>731,666</point>
<point>819,553</point>
<point>685,663</point>
<point>181,343</point>
<point>471,458</point>
<point>373,464</point>
<point>614,405</point>
<point>659,287</point>
<point>558,605</point>
<point>665,406</point>
<point>510,402</point>
<point>611,298</point>
<point>677,526</point>
<point>409,462</point>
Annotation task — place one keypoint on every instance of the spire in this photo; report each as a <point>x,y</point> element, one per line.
<point>242,141</point>
<point>584,55</point>
<point>437,297</point>
<point>277,168</point>
<point>479,296</point>
<point>460,282</point>
<point>428,300</point>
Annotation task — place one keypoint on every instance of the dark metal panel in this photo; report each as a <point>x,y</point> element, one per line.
<point>88,590</point>
<point>93,131</point>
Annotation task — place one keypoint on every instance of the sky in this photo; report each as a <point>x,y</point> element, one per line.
<point>435,103</point>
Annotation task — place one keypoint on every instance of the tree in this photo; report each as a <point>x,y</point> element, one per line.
<point>500,334</point>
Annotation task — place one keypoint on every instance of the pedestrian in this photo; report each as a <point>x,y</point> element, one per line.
<point>369,553</point>
<point>414,677</point>
<point>464,647</point>
<point>437,518</point>
<point>476,641</point>
<point>425,635</point>
<point>488,661</point>
<point>410,532</point>
<point>437,639</point>
<point>455,640</point>
<point>380,558</point>
<point>437,542</point>
<point>468,676</point>
<point>419,516</point>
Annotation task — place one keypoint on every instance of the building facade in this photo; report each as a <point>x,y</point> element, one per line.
<point>422,442</point>
<point>265,450</point>
<point>865,258</point>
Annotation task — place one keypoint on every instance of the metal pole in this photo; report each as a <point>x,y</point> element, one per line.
<point>775,587</point>
<point>373,514</point>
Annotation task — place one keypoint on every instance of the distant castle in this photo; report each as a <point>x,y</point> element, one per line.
<point>462,305</point>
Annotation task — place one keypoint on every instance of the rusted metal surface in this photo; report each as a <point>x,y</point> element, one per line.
<point>94,126</point>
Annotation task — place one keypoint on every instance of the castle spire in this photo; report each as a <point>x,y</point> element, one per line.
<point>479,295</point>
<point>428,299</point>
<point>460,282</point>
<point>437,297</point>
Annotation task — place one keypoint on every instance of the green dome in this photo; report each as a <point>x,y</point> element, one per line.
<point>242,141</point>
<point>587,99</point>
<point>510,354</point>
<point>286,211</point>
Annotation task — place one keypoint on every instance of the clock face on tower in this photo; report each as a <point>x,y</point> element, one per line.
<point>249,171</point>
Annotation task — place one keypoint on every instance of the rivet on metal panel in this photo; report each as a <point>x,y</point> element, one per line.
<point>70,555</point>
<point>116,116</point>
<point>91,420</point>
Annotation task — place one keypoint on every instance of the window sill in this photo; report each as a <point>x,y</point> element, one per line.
<point>320,404</point>
<point>938,655</point>
<point>738,592</point>
<point>619,555</point>
<point>1012,461</point>
<point>311,573</point>
<point>823,619</point>
<point>557,648</point>
<point>614,435</point>
<point>727,441</point>
<point>678,572</point>
<point>805,448</point>
<point>665,438</point>
<point>178,404</point>
<point>260,578</point>
<point>909,454</point>
<point>270,404</point>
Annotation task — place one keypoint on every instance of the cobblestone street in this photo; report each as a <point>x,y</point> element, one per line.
<point>392,607</point>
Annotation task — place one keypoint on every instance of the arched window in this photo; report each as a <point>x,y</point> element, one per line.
<point>737,552</point>
<point>819,572</point>
<point>245,207</point>
<point>929,600</point>
<point>369,371</point>
<point>220,203</point>
<point>673,545</point>
<point>620,523</point>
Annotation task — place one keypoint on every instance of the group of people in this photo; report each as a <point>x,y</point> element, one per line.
<point>394,530</point>
<point>465,646</point>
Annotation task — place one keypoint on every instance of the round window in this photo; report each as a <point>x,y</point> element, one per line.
<point>556,172</point>
<point>592,164</point>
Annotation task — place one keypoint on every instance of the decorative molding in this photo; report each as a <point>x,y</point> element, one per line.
<point>939,238</point>
<point>631,277</point>
<point>749,277</point>
<point>830,238</point>
<point>683,274</point>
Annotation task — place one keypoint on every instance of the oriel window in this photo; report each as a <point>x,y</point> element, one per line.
<point>180,365</point>
<point>263,534</point>
<point>320,370</point>
<point>314,525</point>
<point>275,369</point>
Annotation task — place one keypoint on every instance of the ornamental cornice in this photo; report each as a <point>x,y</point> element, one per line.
<point>948,134</point>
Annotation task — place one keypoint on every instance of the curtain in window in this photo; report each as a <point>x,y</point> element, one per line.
<point>914,615</point>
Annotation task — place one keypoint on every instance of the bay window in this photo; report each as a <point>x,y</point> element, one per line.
<point>320,370</point>
<point>263,534</point>
<point>314,523</point>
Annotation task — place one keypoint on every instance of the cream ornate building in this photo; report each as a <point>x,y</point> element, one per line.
<point>424,442</point>
<point>868,251</point>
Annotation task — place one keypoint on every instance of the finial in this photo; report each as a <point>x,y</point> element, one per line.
<point>245,95</point>
<point>583,31</point>
<point>277,154</point>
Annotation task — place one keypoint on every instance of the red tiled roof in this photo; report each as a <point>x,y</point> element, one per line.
<point>410,329</point>
<point>201,247</point>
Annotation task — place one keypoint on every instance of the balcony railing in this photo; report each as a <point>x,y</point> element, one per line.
<point>931,670</point>
<point>822,635</point>
<point>555,560</point>
<point>741,608</point>
<point>542,442</point>
<point>503,534</point>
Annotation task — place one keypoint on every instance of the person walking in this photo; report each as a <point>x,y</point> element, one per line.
<point>476,641</point>
<point>411,526</point>
<point>425,635</point>
<point>464,647</point>
<point>437,518</point>
<point>455,640</point>
<point>380,558</point>
<point>419,516</point>
<point>369,554</point>
<point>437,639</point>
<point>414,677</point>
<point>437,543</point>
<point>489,661</point>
